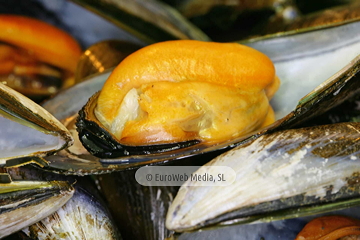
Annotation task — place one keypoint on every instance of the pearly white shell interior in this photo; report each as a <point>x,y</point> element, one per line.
<point>304,61</point>
<point>26,129</point>
<point>17,140</point>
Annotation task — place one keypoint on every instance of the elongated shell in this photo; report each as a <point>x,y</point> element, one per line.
<point>275,230</point>
<point>26,202</point>
<point>82,217</point>
<point>27,129</point>
<point>286,169</point>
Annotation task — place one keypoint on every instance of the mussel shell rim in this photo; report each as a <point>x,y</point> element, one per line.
<point>301,211</point>
<point>20,109</point>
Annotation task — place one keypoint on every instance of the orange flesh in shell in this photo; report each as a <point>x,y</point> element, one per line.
<point>186,89</point>
<point>330,228</point>
<point>45,42</point>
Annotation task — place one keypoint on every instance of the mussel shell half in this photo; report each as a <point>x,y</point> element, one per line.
<point>284,170</point>
<point>27,129</point>
<point>82,217</point>
<point>25,202</point>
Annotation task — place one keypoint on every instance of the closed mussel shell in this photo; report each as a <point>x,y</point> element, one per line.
<point>283,170</point>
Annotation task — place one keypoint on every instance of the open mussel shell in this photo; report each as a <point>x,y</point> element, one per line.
<point>84,216</point>
<point>324,81</point>
<point>285,174</point>
<point>26,202</point>
<point>27,129</point>
<point>318,70</point>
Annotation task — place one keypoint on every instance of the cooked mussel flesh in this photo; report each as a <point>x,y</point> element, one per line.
<point>165,96</point>
<point>37,59</point>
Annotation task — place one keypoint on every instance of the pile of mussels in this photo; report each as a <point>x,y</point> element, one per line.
<point>305,163</point>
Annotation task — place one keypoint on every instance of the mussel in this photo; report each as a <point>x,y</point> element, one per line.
<point>297,67</point>
<point>331,227</point>
<point>166,96</point>
<point>28,133</point>
<point>277,172</point>
<point>308,93</point>
<point>24,203</point>
<point>83,216</point>
<point>37,59</point>
<point>276,230</point>
<point>28,130</point>
<point>341,82</point>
